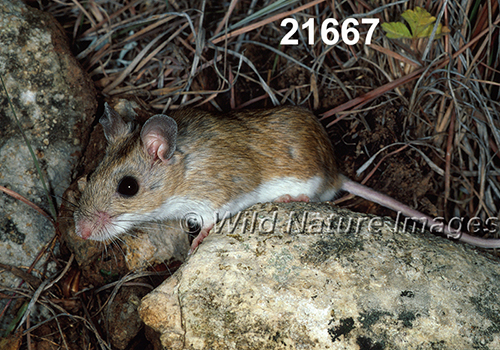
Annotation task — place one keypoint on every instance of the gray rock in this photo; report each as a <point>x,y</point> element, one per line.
<point>52,99</point>
<point>273,285</point>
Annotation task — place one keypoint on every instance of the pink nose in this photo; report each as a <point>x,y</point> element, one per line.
<point>88,228</point>
<point>86,233</point>
<point>84,229</point>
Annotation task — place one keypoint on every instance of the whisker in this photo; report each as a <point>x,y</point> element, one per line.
<point>67,201</point>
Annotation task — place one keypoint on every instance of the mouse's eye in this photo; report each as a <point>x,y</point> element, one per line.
<point>128,186</point>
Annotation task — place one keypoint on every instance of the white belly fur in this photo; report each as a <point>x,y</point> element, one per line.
<point>274,189</point>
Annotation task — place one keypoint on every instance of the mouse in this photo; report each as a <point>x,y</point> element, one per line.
<point>206,162</point>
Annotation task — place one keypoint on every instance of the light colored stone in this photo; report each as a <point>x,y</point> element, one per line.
<point>155,243</point>
<point>344,288</point>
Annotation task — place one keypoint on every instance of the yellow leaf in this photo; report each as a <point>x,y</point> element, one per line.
<point>396,30</point>
<point>419,21</point>
<point>421,24</point>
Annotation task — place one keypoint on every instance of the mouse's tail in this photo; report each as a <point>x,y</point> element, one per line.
<point>388,202</point>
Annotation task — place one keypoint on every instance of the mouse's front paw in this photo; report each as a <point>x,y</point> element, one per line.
<point>201,236</point>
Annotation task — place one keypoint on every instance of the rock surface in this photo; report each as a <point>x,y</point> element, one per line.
<point>52,98</point>
<point>275,287</point>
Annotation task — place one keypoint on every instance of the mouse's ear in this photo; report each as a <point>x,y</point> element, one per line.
<point>159,135</point>
<point>113,124</point>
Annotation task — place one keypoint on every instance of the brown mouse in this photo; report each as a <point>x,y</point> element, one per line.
<point>202,162</point>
